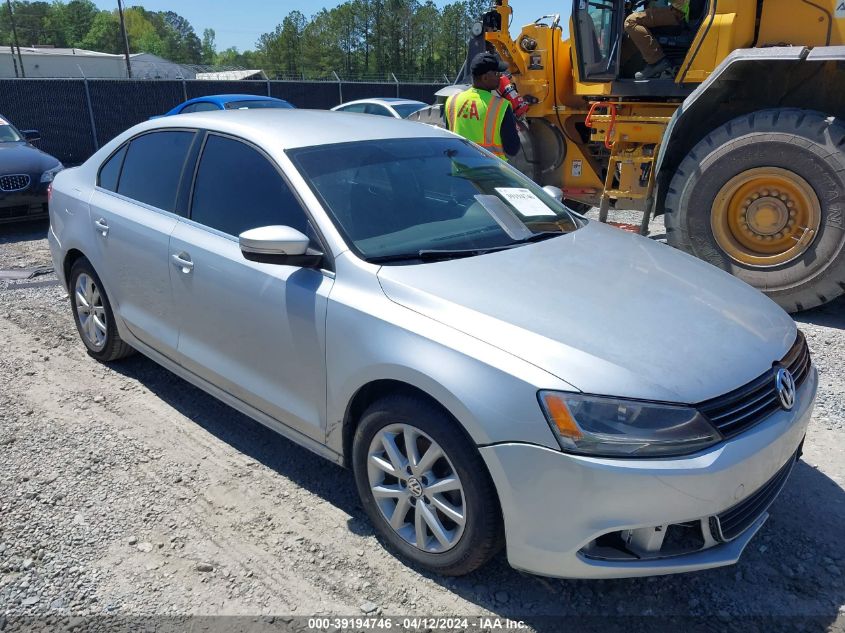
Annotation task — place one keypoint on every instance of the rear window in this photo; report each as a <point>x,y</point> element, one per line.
<point>254,105</point>
<point>199,106</point>
<point>407,109</point>
<point>153,167</point>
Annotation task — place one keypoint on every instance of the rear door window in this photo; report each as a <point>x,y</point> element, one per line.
<point>152,169</point>
<point>237,188</point>
<point>200,106</point>
<point>379,110</point>
<point>110,171</point>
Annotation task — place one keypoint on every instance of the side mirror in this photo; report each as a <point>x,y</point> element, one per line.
<point>30,136</point>
<point>554,192</point>
<point>282,245</point>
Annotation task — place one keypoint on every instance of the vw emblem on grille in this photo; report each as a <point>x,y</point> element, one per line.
<point>785,385</point>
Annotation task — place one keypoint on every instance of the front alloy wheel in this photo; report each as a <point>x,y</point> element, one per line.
<point>424,486</point>
<point>416,488</point>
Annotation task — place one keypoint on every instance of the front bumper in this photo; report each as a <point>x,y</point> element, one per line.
<point>28,204</point>
<point>556,504</point>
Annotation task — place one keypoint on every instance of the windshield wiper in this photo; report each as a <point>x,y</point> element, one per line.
<point>539,237</point>
<point>434,255</point>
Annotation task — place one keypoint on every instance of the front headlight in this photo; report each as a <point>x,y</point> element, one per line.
<point>611,427</point>
<point>48,175</point>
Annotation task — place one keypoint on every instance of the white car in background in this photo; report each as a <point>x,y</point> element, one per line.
<point>392,107</point>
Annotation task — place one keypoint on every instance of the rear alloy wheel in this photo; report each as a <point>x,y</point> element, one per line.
<point>763,198</point>
<point>93,315</point>
<point>425,487</point>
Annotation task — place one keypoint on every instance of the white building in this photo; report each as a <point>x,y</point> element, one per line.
<point>76,62</point>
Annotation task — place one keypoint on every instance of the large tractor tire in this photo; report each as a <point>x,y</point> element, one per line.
<point>763,197</point>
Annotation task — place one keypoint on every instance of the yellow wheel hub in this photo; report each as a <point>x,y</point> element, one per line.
<point>765,216</point>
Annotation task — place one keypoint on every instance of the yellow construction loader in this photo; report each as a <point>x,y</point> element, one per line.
<point>740,143</point>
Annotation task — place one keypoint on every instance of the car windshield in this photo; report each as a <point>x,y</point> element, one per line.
<point>251,104</point>
<point>407,198</point>
<point>407,109</point>
<point>8,134</point>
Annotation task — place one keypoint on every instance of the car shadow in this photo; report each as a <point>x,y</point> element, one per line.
<point>792,569</point>
<point>24,231</point>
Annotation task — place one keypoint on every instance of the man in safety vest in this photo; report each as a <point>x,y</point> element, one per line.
<point>481,115</point>
<point>637,27</point>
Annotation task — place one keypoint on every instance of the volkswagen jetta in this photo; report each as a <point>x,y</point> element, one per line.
<point>494,368</point>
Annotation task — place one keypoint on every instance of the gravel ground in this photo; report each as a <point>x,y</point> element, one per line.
<point>124,491</point>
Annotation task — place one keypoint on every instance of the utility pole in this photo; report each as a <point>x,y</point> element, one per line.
<point>125,39</point>
<point>15,39</point>
<point>14,59</point>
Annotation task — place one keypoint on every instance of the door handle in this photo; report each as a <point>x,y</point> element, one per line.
<point>183,262</point>
<point>102,226</point>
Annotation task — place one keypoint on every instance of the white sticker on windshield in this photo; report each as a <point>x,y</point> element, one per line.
<point>524,201</point>
<point>3,121</point>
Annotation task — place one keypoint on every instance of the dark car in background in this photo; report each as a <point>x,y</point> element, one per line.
<point>228,102</point>
<point>25,174</point>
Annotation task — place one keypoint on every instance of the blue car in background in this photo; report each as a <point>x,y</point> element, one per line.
<point>227,102</point>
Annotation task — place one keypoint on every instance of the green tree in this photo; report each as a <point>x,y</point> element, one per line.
<point>71,22</point>
<point>32,23</point>
<point>104,34</point>
<point>209,48</point>
<point>181,43</point>
<point>282,48</point>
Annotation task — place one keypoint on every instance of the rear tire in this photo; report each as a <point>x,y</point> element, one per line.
<point>470,543</point>
<point>93,314</point>
<point>802,150</point>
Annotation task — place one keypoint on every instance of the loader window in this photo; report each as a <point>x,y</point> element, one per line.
<point>597,25</point>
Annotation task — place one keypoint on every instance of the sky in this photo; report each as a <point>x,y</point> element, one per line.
<point>240,23</point>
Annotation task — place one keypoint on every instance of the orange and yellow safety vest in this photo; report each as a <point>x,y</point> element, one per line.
<point>477,115</point>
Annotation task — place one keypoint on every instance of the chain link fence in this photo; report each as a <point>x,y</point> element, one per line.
<point>77,116</point>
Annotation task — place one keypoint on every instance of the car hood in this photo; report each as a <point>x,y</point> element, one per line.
<point>22,158</point>
<point>608,312</point>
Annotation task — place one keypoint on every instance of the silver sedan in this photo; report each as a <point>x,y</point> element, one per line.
<point>495,369</point>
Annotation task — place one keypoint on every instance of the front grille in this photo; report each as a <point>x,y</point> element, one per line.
<point>742,408</point>
<point>14,182</point>
<point>734,521</point>
<point>22,212</point>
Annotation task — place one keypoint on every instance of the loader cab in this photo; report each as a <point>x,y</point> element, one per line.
<point>605,55</point>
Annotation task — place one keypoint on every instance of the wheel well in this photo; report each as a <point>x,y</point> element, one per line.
<point>70,259</point>
<point>370,393</point>
<point>747,82</point>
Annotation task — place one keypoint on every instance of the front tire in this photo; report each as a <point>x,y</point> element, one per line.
<point>93,314</point>
<point>424,486</point>
<point>763,198</point>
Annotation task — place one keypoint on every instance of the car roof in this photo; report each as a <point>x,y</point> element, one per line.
<point>288,129</point>
<point>387,100</point>
<point>221,99</point>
